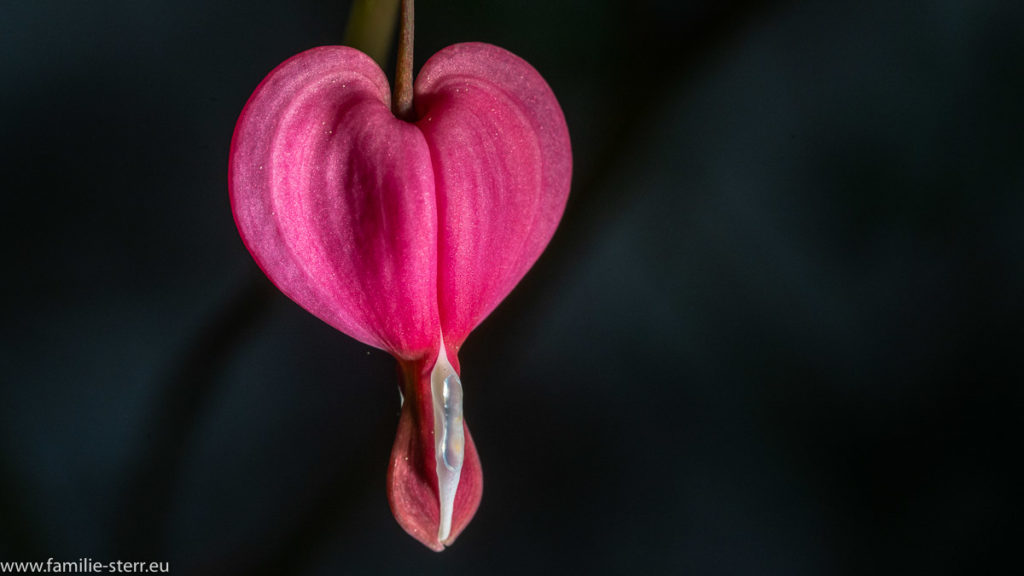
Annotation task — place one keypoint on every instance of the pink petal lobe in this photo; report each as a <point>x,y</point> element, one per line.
<point>334,198</point>
<point>502,166</point>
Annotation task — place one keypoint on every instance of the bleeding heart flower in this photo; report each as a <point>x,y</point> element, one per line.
<point>405,235</point>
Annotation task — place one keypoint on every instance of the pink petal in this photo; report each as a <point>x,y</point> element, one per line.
<point>334,198</point>
<point>502,166</point>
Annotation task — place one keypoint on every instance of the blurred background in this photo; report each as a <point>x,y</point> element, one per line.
<point>778,332</point>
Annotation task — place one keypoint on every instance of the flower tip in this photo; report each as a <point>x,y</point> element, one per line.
<point>413,495</point>
<point>434,479</point>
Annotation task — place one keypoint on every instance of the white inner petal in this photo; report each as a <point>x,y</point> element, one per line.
<point>449,436</point>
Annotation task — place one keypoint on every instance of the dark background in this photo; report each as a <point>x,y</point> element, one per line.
<point>778,332</point>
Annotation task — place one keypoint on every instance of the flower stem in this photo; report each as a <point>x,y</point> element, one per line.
<point>401,102</point>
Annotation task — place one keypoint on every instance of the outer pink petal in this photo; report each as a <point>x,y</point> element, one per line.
<point>502,164</point>
<point>334,198</point>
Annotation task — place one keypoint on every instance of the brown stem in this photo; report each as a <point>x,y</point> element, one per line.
<point>401,102</point>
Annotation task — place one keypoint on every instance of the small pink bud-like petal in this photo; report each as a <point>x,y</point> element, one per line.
<point>502,166</point>
<point>413,481</point>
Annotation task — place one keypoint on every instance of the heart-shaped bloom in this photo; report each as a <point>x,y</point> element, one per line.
<point>405,235</point>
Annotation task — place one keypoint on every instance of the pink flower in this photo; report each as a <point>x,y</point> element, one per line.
<point>404,235</point>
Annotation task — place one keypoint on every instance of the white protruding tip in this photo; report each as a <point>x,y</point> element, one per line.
<point>449,437</point>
